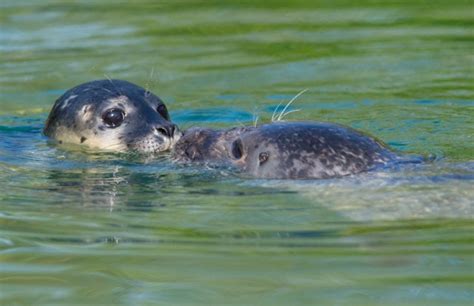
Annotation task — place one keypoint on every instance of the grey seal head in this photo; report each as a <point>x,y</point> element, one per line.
<point>285,150</point>
<point>112,115</point>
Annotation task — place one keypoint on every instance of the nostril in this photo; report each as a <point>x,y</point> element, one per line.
<point>163,131</point>
<point>172,129</point>
<point>167,130</point>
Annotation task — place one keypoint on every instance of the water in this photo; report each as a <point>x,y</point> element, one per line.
<point>82,227</point>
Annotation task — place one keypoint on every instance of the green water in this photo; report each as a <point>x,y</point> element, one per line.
<point>96,228</point>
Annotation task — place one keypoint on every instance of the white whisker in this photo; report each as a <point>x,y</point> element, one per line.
<point>282,114</point>
<point>289,112</point>
<point>147,84</point>
<point>152,72</point>
<point>275,112</point>
<point>255,121</point>
<point>111,82</point>
<point>187,126</point>
<point>116,146</point>
<point>255,116</point>
<point>240,123</point>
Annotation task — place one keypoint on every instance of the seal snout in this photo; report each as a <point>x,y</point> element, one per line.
<point>167,130</point>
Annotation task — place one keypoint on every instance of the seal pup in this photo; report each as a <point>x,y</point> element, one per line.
<point>113,115</point>
<point>285,150</point>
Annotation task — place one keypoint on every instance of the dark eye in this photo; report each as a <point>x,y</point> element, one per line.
<point>236,149</point>
<point>161,109</point>
<point>263,157</point>
<point>113,117</point>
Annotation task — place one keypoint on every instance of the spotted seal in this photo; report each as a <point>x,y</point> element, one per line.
<point>286,150</point>
<point>112,115</point>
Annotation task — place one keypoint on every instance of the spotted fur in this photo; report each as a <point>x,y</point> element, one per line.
<point>77,117</point>
<point>286,150</point>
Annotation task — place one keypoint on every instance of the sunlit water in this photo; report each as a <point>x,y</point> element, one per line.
<point>82,227</point>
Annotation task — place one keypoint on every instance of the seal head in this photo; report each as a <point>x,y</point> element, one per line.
<point>285,150</point>
<point>112,115</point>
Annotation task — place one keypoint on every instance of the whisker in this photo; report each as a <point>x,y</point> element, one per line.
<point>275,112</point>
<point>117,145</point>
<point>187,126</point>
<point>289,112</point>
<point>147,84</point>
<point>111,82</point>
<point>289,103</point>
<point>255,121</point>
<point>152,72</point>
<point>240,123</point>
<point>255,116</point>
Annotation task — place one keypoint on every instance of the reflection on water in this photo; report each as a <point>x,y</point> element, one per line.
<point>82,227</point>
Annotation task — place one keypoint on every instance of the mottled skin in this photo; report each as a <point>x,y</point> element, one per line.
<point>285,150</point>
<point>142,122</point>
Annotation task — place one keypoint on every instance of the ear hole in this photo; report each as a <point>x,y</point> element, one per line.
<point>237,149</point>
<point>263,157</point>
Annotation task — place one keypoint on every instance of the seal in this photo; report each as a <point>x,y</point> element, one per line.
<point>112,115</point>
<point>285,150</point>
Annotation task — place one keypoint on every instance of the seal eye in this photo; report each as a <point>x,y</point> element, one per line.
<point>113,117</point>
<point>161,109</point>
<point>237,151</point>
<point>263,157</point>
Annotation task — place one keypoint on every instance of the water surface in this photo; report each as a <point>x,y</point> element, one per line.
<point>82,227</point>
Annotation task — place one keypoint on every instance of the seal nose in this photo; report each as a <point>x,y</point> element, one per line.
<point>167,130</point>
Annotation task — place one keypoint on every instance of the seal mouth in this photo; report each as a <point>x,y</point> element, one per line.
<point>172,141</point>
<point>154,144</point>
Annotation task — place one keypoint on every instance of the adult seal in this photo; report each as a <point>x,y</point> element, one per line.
<point>286,150</point>
<point>112,115</point>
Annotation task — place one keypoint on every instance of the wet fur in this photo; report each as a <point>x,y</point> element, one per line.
<point>76,117</point>
<point>286,150</point>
